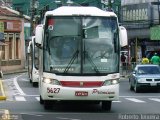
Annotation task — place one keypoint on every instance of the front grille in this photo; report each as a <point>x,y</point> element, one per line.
<point>81,83</point>
<point>156,79</point>
<point>148,79</point>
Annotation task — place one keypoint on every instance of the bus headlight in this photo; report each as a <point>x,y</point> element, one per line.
<point>110,82</point>
<point>36,72</point>
<point>51,81</point>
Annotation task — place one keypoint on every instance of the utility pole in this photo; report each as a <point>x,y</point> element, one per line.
<point>33,10</point>
<point>109,5</point>
<point>159,11</point>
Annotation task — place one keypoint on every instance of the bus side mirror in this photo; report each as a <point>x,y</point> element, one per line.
<point>123,36</point>
<point>39,34</point>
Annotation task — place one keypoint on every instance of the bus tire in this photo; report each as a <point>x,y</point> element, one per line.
<point>41,100</point>
<point>1,74</point>
<point>35,84</point>
<point>106,105</point>
<point>47,105</point>
<point>30,80</point>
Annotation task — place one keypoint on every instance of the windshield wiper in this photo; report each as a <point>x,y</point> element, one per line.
<point>91,61</point>
<point>75,55</point>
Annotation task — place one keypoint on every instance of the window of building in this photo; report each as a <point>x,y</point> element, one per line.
<point>4,47</point>
<point>17,46</point>
<point>12,49</point>
<point>11,45</point>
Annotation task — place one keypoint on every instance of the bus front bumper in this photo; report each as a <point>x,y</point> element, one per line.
<point>58,93</point>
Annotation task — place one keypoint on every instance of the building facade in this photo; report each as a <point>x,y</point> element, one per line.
<point>36,8</point>
<point>13,52</point>
<point>25,6</point>
<point>139,17</point>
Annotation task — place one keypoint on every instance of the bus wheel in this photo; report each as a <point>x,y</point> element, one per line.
<point>30,79</point>
<point>35,84</point>
<point>1,74</point>
<point>47,105</point>
<point>41,100</point>
<point>106,105</point>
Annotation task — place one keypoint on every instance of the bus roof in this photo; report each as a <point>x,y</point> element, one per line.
<point>79,11</point>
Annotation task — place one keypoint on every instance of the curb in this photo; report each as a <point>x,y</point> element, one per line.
<point>13,72</point>
<point>2,96</point>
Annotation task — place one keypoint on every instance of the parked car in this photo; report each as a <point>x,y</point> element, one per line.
<point>145,76</point>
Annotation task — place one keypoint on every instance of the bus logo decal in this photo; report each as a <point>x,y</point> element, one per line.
<point>81,83</point>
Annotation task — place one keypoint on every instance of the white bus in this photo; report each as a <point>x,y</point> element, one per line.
<point>80,56</point>
<point>33,62</point>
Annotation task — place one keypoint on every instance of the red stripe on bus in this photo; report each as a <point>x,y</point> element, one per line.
<point>81,83</point>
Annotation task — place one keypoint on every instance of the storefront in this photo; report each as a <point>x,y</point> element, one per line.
<point>138,19</point>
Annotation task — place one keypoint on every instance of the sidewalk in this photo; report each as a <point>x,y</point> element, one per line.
<point>15,71</point>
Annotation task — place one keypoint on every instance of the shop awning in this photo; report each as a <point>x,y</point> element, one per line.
<point>155,33</point>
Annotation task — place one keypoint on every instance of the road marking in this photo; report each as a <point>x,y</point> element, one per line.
<point>17,86</point>
<point>155,99</point>
<point>117,101</point>
<point>38,98</point>
<point>62,118</point>
<point>135,100</point>
<point>29,95</point>
<point>31,114</point>
<point>138,96</point>
<point>20,98</point>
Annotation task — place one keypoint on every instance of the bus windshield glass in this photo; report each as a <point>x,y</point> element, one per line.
<point>81,45</point>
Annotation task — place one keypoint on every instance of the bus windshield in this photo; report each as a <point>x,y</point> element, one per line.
<point>81,45</point>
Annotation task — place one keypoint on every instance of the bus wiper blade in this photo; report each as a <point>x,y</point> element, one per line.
<point>91,61</point>
<point>71,61</point>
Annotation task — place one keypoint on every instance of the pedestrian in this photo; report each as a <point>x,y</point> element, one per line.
<point>155,59</point>
<point>145,60</point>
<point>123,60</point>
<point>133,62</point>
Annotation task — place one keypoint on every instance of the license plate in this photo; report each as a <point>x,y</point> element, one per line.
<point>153,84</point>
<point>81,93</point>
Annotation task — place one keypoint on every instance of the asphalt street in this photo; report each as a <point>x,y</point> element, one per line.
<point>23,101</point>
